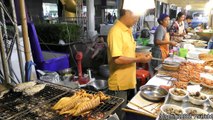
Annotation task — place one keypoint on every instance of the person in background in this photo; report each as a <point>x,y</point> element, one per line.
<point>210,43</point>
<point>199,27</point>
<point>122,59</point>
<point>109,18</point>
<point>161,41</point>
<point>187,23</point>
<point>177,30</point>
<point>114,17</point>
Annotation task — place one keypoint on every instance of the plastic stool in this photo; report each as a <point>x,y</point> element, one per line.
<point>143,65</point>
<point>143,76</point>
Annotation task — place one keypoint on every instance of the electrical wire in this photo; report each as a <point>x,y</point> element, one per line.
<point>6,11</point>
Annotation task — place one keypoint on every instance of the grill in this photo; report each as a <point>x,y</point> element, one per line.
<point>38,107</point>
<point>15,103</point>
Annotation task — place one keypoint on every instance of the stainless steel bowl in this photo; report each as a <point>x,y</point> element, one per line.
<point>65,71</point>
<point>143,49</point>
<point>104,70</point>
<point>153,93</point>
<point>99,84</point>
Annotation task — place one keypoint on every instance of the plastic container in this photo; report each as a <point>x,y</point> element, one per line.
<point>183,52</point>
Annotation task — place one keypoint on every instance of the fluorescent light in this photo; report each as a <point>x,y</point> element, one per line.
<point>138,7</point>
<point>208,7</point>
<point>188,7</point>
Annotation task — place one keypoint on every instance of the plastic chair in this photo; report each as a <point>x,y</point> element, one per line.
<point>52,64</point>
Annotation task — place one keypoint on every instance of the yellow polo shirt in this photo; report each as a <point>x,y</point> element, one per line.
<point>121,43</point>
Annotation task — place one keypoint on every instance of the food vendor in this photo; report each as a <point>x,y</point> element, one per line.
<point>177,30</point>
<point>187,23</point>
<point>122,58</point>
<point>161,40</point>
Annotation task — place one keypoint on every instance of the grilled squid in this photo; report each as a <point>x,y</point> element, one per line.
<point>88,105</point>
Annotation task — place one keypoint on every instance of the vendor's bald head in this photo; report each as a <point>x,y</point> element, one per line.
<point>128,18</point>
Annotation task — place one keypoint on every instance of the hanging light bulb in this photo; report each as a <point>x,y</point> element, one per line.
<point>138,7</point>
<point>208,7</point>
<point>188,7</point>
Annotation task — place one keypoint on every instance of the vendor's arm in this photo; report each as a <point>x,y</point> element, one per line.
<point>162,42</point>
<point>144,58</point>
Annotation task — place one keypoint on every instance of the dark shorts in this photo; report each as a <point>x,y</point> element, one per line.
<point>127,95</point>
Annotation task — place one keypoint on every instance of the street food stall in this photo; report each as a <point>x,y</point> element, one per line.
<point>188,83</point>
<point>182,88</point>
<point>38,100</point>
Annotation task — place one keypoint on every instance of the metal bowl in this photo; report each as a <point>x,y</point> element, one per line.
<point>104,70</point>
<point>143,49</point>
<point>99,84</point>
<point>65,71</point>
<point>177,97</point>
<point>153,93</point>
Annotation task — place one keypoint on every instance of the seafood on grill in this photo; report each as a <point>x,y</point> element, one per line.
<point>102,96</point>
<point>33,90</point>
<point>73,104</point>
<point>61,103</point>
<point>87,105</point>
<point>22,86</point>
<point>96,116</point>
<point>3,93</point>
<point>80,103</point>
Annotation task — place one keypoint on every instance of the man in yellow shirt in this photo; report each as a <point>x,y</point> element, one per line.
<point>122,58</point>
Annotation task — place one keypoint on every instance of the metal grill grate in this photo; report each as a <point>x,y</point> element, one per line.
<point>14,103</point>
<point>45,110</point>
<point>15,106</point>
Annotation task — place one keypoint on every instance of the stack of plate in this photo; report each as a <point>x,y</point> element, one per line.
<point>171,66</point>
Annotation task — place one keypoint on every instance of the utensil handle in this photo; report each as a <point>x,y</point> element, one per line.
<point>158,59</point>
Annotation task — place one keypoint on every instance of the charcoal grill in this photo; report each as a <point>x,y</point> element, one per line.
<point>44,100</point>
<point>15,103</point>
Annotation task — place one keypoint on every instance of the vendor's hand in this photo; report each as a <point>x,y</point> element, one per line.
<point>173,43</point>
<point>143,57</point>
